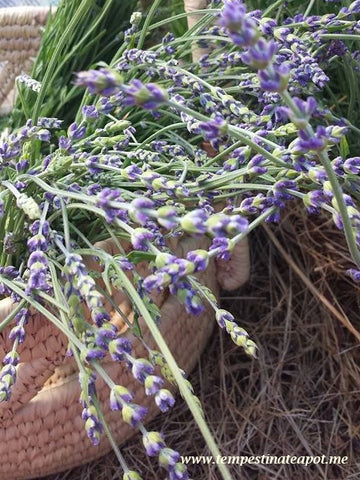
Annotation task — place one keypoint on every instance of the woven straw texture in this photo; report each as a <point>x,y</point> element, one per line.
<point>20,37</point>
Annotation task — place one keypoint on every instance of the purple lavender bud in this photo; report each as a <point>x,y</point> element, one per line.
<point>334,133</point>
<point>104,81</point>
<point>168,458</point>
<point>274,217</point>
<point>140,210</point>
<point>141,368</point>
<point>313,201</point>
<point>37,264</point>
<point>119,347</point>
<point>223,246</point>
<point>178,472</point>
<point>147,96</point>
<point>118,396</point>
<point>35,227</point>
<point>93,429</point>
<point>109,200</point>
<point>132,172</point>
<point>223,317</point>
<point>106,105</point>
<point>12,272</point>
<point>22,166</point>
<point>157,281</point>
<point>17,333</point>
<point>238,335</point>
<point>124,263</point>
<point>280,187</point>
<point>133,414</point>
<point>200,258</point>
<point>214,128</point>
<point>260,55</point>
<point>153,384</point>
<point>195,221</point>
<point>8,371</point>
<point>140,238</point>
<point>318,174</point>
<point>93,189</point>
<point>316,141</point>
<point>106,332</point>
<point>163,259</point>
<point>90,112</point>
<point>274,78</point>
<point>167,217</point>
<point>256,165</point>
<point>305,110</point>
<point>47,122</point>
<point>352,165</point>
<point>37,242</point>
<point>242,28</point>
<point>5,392</point>
<point>217,224</point>
<point>354,274</point>
<point>11,358</point>
<point>88,355</point>
<point>187,295</point>
<point>76,132</point>
<point>237,224</point>
<point>65,143</point>
<point>354,7</point>
<point>43,135</point>
<point>7,380</point>
<point>164,399</point>
<point>338,166</point>
<point>153,443</point>
<point>338,220</point>
<point>98,313</point>
<point>232,14</point>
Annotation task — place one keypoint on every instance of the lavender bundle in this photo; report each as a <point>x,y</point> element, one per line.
<point>163,148</point>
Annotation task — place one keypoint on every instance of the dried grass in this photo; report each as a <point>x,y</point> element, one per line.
<point>302,395</point>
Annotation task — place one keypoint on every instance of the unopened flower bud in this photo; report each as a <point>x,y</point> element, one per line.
<point>30,207</point>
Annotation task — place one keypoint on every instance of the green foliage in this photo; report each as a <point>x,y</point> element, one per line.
<point>81,34</point>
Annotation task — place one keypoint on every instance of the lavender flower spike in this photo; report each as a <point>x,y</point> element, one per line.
<point>260,55</point>
<point>147,96</point>
<point>104,81</point>
<point>242,28</point>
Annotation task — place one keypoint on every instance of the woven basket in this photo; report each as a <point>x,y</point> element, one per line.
<point>41,430</point>
<point>20,37</point>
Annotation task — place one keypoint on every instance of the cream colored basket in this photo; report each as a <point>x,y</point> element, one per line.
<point>20,37</point>
<point>41,430</point>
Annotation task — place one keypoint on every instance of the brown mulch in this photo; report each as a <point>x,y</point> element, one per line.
<point>302,395</point>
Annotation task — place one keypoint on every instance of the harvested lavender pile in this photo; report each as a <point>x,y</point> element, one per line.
<point>164,147</point>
